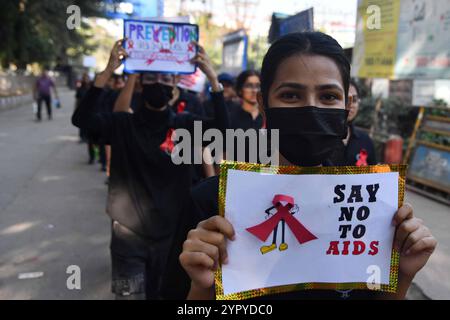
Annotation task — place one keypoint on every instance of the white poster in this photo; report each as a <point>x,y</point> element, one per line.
<point>193,82</point>
<point>309,228</point>
<point>423,92</point>
<point>160,46</point>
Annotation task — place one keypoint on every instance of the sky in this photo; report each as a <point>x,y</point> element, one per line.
<point>336,17</point>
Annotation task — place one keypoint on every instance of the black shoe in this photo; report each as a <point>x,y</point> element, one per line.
<point>107,181</point>
<point>91,161</point>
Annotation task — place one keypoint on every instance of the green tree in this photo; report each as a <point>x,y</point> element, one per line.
<point>257,48</point>
<point>210,36</point>
<point>35,31</point>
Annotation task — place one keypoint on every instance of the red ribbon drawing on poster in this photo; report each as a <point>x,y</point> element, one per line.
<point>264,229</point>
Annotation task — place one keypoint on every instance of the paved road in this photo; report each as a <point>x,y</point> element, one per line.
<point>52,214</point>
<point>51,208</point>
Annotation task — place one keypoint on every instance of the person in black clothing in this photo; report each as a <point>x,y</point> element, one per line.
<point>231,102</point>
<point>136,96</point>
<point>147,191</point>
<point>185,101</point>
<point>106,104</point>
<point>359,149</point>
<point>229,94</point>
<point>82,88</point>
<point>304,93</point>
<point>228,83</point>
<point>248,115</point>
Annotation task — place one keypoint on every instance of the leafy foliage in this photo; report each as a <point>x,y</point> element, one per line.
<point>35,31</point>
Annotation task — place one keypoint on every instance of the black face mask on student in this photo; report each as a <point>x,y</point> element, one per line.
<point>308,135</point>
<point>157,95</point>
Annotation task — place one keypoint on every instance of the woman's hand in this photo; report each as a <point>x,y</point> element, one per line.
<point>116,57</point>
<point>203,249</point>
<point>118,54</point>
<point>204,63</point>
<point>413,240</point>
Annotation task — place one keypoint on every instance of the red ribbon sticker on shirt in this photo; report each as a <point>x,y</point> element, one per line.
<point>168,145</point>
<point>362,158</point>
<point>283,213</point>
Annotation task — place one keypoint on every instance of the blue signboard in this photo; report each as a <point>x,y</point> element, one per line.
<point>282,24</point>
<point>234,53</point>
<point>431,166</point>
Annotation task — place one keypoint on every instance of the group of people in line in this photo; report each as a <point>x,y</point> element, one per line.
<point>166,235</point>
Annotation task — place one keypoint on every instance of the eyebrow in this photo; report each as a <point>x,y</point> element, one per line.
<point>299,86</point>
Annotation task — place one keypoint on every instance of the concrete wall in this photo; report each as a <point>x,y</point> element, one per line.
<point>16,89</point>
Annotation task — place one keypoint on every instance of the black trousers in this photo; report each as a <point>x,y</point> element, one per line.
<point>137,264</point>
<point>102,155</point>
<point>48,102</point>
<point>91,151</point>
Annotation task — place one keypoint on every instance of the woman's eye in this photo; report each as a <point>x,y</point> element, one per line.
<point>329,97</point>
<point>290,96</point>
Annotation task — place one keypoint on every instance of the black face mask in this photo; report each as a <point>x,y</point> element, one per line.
<point>157,95</point>
<point>308,135</point>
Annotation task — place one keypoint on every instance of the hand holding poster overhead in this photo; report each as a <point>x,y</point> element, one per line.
<point>160,46</point>
<point>337,235</point>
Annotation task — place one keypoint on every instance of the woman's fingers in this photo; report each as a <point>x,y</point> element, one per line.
<point>427,244</point>
<point>119,50</point>
<point>123,54</point>
<point>200,58</point>
<point>403,231</point>
<point>196,59</point>
<point>414,237</point>
<point>405,212</point>
<point>199,246</point>
<point>203,248</point>
<point>190,259</point>
<point>218,223</point>
<point>214,238</point>
<point>120,42</point>
<point>200,48</point>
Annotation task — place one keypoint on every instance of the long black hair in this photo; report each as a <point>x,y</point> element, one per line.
<point>356,86</point>
<point>302,43</point>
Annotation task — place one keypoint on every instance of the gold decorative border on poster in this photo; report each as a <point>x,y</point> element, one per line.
<point>393,275</point>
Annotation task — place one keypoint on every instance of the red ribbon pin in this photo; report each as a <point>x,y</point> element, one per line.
<point>362,158</point>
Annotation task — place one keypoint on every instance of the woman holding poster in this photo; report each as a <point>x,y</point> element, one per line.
<point>304,93</point>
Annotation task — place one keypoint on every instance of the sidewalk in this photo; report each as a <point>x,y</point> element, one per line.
<point>434,279</point>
